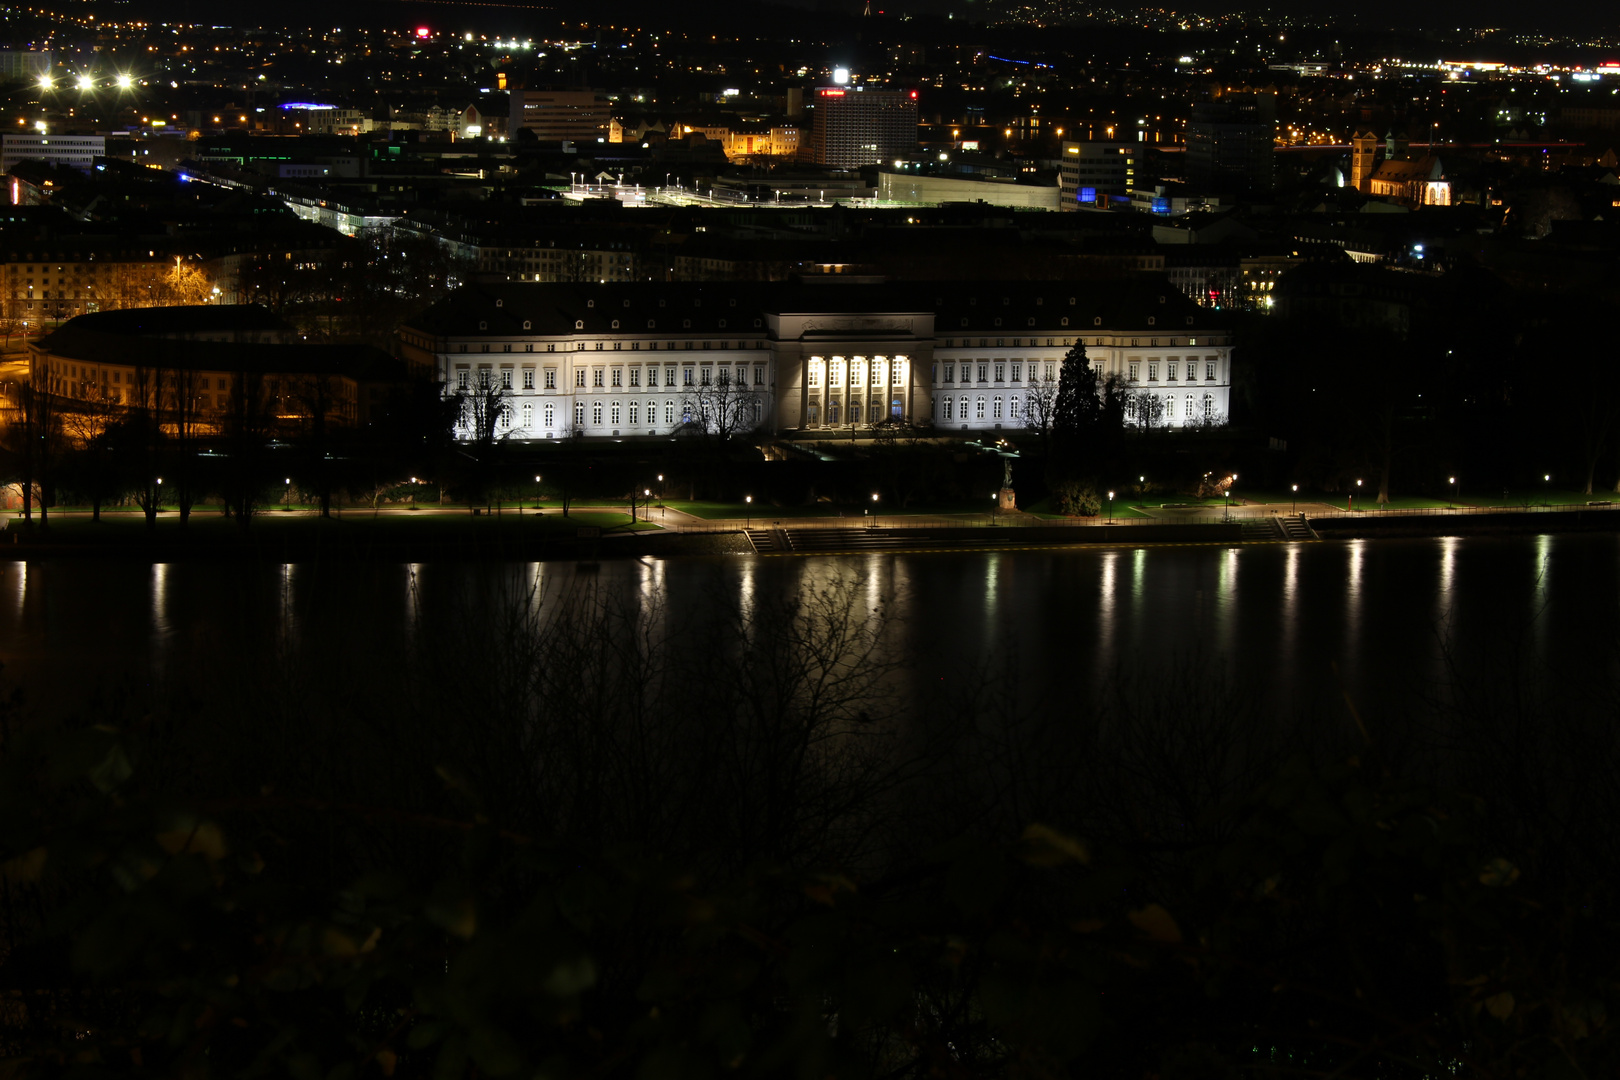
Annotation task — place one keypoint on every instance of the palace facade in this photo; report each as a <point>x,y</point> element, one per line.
<point>647,359</point>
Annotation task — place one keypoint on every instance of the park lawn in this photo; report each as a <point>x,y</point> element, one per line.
<point>352,527</point>
<point>1536,498</point>
<point>1042,508</point>
<point>724,510</point>
<point>711,511</point>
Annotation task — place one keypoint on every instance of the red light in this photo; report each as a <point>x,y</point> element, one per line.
<point>831,93</point>
<point>1213,293</point>
<point>914,95</point>
<point>422,31</point>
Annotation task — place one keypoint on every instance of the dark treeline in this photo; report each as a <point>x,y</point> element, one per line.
<point>1407,380</point>
<point>579,835</point>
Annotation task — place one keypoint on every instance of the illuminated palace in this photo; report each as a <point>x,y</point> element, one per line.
<point>645,359</point>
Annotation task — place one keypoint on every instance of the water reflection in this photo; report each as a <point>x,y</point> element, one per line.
<point>1290,622</point>
<point>1106,604</point>
<point>1278,615</point>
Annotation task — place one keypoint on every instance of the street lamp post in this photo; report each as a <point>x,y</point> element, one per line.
<point>1451,492</point>
<point>286,503</point>
<point>537,493</point>
<point>160,494</point>
<point>1110,508</point>
<point>1546,489</point>
<point>1294,509</point>
<point>413,493</point>
<point>748,512</point>
<point>874,509</point>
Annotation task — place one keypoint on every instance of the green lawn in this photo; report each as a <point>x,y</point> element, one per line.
<point>353,527</point>
<point>724,510</point>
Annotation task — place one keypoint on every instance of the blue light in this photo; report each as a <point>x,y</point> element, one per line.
<point>1088,195</point>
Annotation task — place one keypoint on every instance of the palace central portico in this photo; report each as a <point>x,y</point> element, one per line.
<point>647,359</point>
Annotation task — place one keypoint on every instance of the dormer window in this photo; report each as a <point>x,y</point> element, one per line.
<point>500,303</point>
<point>615,324</point>
<point>590,303</point>
<point>525,324</point>
<point>579,324</point>
<point>1097,321</point>
<point>1063,321</point>
<point>482,325</point>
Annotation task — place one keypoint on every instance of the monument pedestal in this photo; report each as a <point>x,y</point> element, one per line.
<point>1007,500</point>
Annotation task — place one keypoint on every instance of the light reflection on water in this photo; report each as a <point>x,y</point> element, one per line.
<point>1274,616</point>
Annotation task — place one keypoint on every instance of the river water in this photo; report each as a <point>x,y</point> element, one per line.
<point>1300,627</point>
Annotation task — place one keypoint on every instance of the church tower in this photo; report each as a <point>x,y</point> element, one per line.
<point>1363,159</point>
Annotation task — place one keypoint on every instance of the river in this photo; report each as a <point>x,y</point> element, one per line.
<point>1299,627</point>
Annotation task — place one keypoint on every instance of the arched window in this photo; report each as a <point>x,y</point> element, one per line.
<point>1209,406</point>
<point>579,414</point>
<point>550,416</point>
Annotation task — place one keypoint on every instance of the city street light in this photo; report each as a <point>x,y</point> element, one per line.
<point>1451,492</point>
<point>286,506</point>
<point>160,493</point>
<point>413,493</point>
<point>1295,507</point>
<point>748,513</point>
<point>1110,508</point>
<point>874,510</point>
<point>537,493</point>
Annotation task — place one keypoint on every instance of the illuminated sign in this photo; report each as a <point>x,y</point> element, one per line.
<point>970,144</point>
<point>829,92</point>
<point>422,32</point>
<point>1088,194</point>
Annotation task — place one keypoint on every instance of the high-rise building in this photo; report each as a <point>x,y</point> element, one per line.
<point>1090,172</point>
<point>25,64</point>
<point>561,115</point>
<point>856,126</point>
<point>74,151</point>
<point>1230,146</point>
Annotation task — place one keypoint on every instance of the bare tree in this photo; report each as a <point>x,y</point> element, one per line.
<point>245,430</point>
<point>141,435</point>
<point>1040,407</point>
<point>721,408</point>
<point>484,423</point>
<point>183,423</point>
<point>1145,410</point>
<point>90,427</point>
<point>318,397</point>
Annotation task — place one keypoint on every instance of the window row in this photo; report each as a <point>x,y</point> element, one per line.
<point>839,413</point>
<point>705,375</point>
<point>1133,370</point>
<point>997,371</point>
<point>611,346</point>
<point>856,371</point>
<point>599,412</point>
